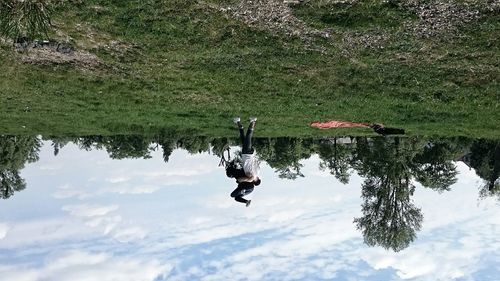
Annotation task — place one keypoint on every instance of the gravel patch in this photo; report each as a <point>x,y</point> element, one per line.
<point>53,52</point>
<point>275,16</point>
<point>372,40</point>
<point>435,18</point>
<point>439,18</point>
<point>49,57</point>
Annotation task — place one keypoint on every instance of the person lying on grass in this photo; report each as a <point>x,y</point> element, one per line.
<point>247,177</point>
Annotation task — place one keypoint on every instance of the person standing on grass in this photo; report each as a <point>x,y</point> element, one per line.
<point>247,178</point>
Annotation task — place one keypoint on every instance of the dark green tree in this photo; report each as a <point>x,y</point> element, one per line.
<point>15,152</point>
<point>284,155</point>
<point>390,219</point>
<point>10,182</point>
<point>337,158</point>
<point>128,146</point>
<point>432,167</point>
<point>168,146</point>
<point>119,146</point>
<point>484,157</point>
<point>58,142</point>
<point>194,144</point>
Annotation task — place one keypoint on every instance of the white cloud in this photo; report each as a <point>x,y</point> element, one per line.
<point>140,189</point>
<point>284,216</point>
<point>101,217</point>
<point>4,228</point>
<point>43,232</point>
<point>143,188</point>
<point>179,172</point>
<point>85,266</point>
<point>69,193</point>
<point>118,179</point>
<point>130,234</point>
<point>107,222</point>
<point>85,210</point>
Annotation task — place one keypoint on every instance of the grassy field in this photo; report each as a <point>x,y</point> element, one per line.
<point>189,65</point>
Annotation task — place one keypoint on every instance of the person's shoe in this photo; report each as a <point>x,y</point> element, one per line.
<point>236,120</point>
<point>248,203</point>
<point>253,119</point>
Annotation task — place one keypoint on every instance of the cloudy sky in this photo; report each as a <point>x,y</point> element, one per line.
<point>84,216</point>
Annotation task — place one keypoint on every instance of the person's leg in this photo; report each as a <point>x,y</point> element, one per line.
<point>241,199</point>
<point>237,121</point>
<point>242,134</point>
<point>247,144</point>
<point>236,192</point>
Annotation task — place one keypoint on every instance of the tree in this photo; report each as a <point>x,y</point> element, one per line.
<point>337,159</point>
<point>389,218</point>
<point>128,146</point>
<point>120,146</point>
<point>433,167</point>
<point>284,155</point>
<point>194,144</point>
<point>168,146</point>
<point>484,157</point>
<point>27,18</point>
<point>58,142</point>
<point>15,151</point>
<point>10,182</point>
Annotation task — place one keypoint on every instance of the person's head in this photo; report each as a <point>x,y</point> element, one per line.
<point>256,182</point>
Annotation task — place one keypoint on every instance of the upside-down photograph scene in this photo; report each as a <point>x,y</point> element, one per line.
<point>252,140</point>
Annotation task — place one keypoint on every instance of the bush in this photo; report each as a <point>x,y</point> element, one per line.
<point>24,18</point>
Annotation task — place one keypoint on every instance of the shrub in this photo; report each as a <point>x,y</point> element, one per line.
<point>24,18</point>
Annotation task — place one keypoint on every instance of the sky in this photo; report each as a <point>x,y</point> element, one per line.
<point>85,216</point>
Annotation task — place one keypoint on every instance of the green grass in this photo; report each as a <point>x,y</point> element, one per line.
<point>192,68</point>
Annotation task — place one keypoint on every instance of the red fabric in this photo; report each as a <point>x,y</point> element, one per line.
<point>338,124</point>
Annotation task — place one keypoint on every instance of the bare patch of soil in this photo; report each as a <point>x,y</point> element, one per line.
<point>275,16</point>
<point>376,39</point>
<point>438,18</point>
<point>54,52</point>
<point>45,56</point>
<point>435,18</point>
<point>75,51</point>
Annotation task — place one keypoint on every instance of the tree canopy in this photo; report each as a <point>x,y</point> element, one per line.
<point>15,151</point>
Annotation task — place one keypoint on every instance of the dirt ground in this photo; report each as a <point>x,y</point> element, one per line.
<point>434,18</point>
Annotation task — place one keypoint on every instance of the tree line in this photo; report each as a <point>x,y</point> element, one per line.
<point>390,168</point>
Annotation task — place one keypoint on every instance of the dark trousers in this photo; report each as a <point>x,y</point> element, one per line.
<point>240,199</point>
<point>246,141</point>
<point>241,191</point>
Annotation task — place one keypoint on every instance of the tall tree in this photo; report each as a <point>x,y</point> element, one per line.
<point>128,146</point>
<point>15,151</point>
<point>390,219</point>
<point>119,146</point>
<point>284,155</point>
<point>484,157</point>
<point>432,167</point>
<point>337,158</point>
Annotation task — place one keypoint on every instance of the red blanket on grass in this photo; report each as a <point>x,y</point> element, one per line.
<point>338,124</point>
